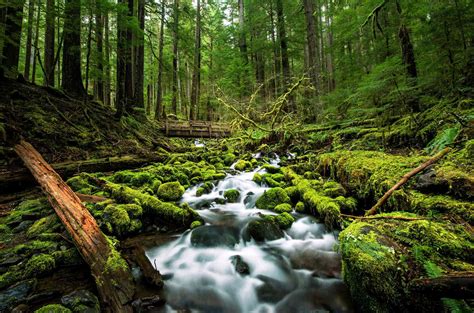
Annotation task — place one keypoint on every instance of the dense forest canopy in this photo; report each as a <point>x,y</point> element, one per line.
<point>189,58</point>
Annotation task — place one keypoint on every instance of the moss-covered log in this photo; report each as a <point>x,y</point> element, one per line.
<point>12,180</point>
<point>111,272</point>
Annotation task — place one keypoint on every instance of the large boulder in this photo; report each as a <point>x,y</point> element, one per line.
<point>214,236</point>
<point>271,198</point>
<point>172,191</point>
<point>263,230</point>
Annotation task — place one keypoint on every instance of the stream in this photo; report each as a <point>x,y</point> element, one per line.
<point>218,268</point>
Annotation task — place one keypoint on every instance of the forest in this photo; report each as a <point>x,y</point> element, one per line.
<point>236,156</point>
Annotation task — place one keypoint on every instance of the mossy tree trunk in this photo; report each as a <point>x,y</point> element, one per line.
<point>112,274</point>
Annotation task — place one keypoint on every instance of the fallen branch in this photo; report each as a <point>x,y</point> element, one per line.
<point>405,178</point>
<point>112,275</point>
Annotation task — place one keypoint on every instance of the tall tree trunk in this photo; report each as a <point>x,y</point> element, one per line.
<point>242,39</point>
<point>159,112</point>
<point>313,53</point>
<point>174,102</point>
<point>140,56</point>
<point>129,82</point>
<point>35,45</point>
<point>195,90</point>
<point>72,76</point>
<point>49,34</point>
<point>285,63</point>
<point>330,65</point>
<point>276,55</point>
<point>31,12</point>
<point>57,59</point>
<point>11,47</point>
<point>89,44</point>
<point>99,28</point>
<point>121,96</point>
<point>107,60</point>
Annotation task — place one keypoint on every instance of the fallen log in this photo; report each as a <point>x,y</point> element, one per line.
<point>405,178</point>
<point>112,274</point>
<point>13,180</point>
<point>456,286</point>
<point>152,276</point>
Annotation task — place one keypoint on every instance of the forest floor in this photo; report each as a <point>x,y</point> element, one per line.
<point>390,260</point>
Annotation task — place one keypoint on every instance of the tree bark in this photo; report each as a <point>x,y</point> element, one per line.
<point>196,85</point>
<point>140,56</point>
<point>89,44</point>
<point>71,71</point>
<point>311,37</point>
<point>121,96</point>
<point>31,13</point>
<point>159,112</point>
<point>35,45</point>
<point>108,78</point>
<point>49,43</point>
<point>174,102</point>
<point>99,30</point>
<point>285,63</point>
<point>129,77</point>
<point>11,47</point>
<point>405,178</point>
<point>112,274</point>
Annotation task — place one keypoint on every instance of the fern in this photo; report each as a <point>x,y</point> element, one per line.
<point>432,269</point>
<point>446,137</point>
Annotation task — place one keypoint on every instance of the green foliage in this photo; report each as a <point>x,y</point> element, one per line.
<point>171,191</point>
<point>271,198</point>
<point>53,308</point>
<point>444,138</point>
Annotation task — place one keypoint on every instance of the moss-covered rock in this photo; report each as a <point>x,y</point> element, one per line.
<point>333,189</point>
<point>122,219</point>
<point>381,255</point>
<point>195,224</point>
<point>205,188</point>
<point>53,308</point>
<point>284,220</point>
<point>271,198</point>
<point>263,230</point>
<point>299,207</point>
<point>172,191</point>
<point>81,301</point>
<point>232,195</point>
<point>39,265</point>
<point>242,165</point>
<point>29,210</point>
<point>271,169</point>
<point>284,207</point>
<point>46,224</point>
<point>80,184</point>
<point>257,178</point>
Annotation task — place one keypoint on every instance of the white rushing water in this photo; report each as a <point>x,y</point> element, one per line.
<point>225,273</point>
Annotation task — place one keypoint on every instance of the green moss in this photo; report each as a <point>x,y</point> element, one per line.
<point>115,262</point>
<point>257,178</point>
<point>322,206</point>
<point>46,224</point>
<point>300,208</point>
<point>242,165</point>
<point>273,180</point>
<point>141,178</point>
<point>204,189</point>
<point>370,269</point>
<point>271,198</point>
<point>195,224</point>
<point>429,204</point>
<point>171,191</point>
<point>53,308</point>
<point>347,205</point>
<point>31,208</point>
<point>284,220</point>
<point>81,184</point>
<point>333,189</point>
<point>271,169</point>
<point>229,158</point>
<point>232,195</point>
<point>68,257</point>
<point>35,246</point>
<point>156,210</point>
<point>39,265</point>
<point>282,208</point>
<point>117,220</point>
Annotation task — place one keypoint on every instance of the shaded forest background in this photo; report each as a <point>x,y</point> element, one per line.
<point>195,59</point>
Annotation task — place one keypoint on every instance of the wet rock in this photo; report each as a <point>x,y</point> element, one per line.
<point>81,301</point>
<point>262,230</point>
<point>321,263</point>
<point>15,294</point>
<point>232,195</point>
<point>22,308</point>
<point>148,304</point>
<point>214,236</point>
<point>429,182</point>
<point>204,299</point>
<point>272,290</point>
<point>239,264</point>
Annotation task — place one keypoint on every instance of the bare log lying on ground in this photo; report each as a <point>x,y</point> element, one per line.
<point>456,286</point>
<point>405,178</point>
<point>111,272</point>
<point>16,179</point>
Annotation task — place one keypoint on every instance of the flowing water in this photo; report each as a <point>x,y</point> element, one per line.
<point>223,272</point>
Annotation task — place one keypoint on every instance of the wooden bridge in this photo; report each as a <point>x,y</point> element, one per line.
<point>195,129</point>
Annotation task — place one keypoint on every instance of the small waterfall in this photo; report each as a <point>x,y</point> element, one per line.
<point>221,272</point>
